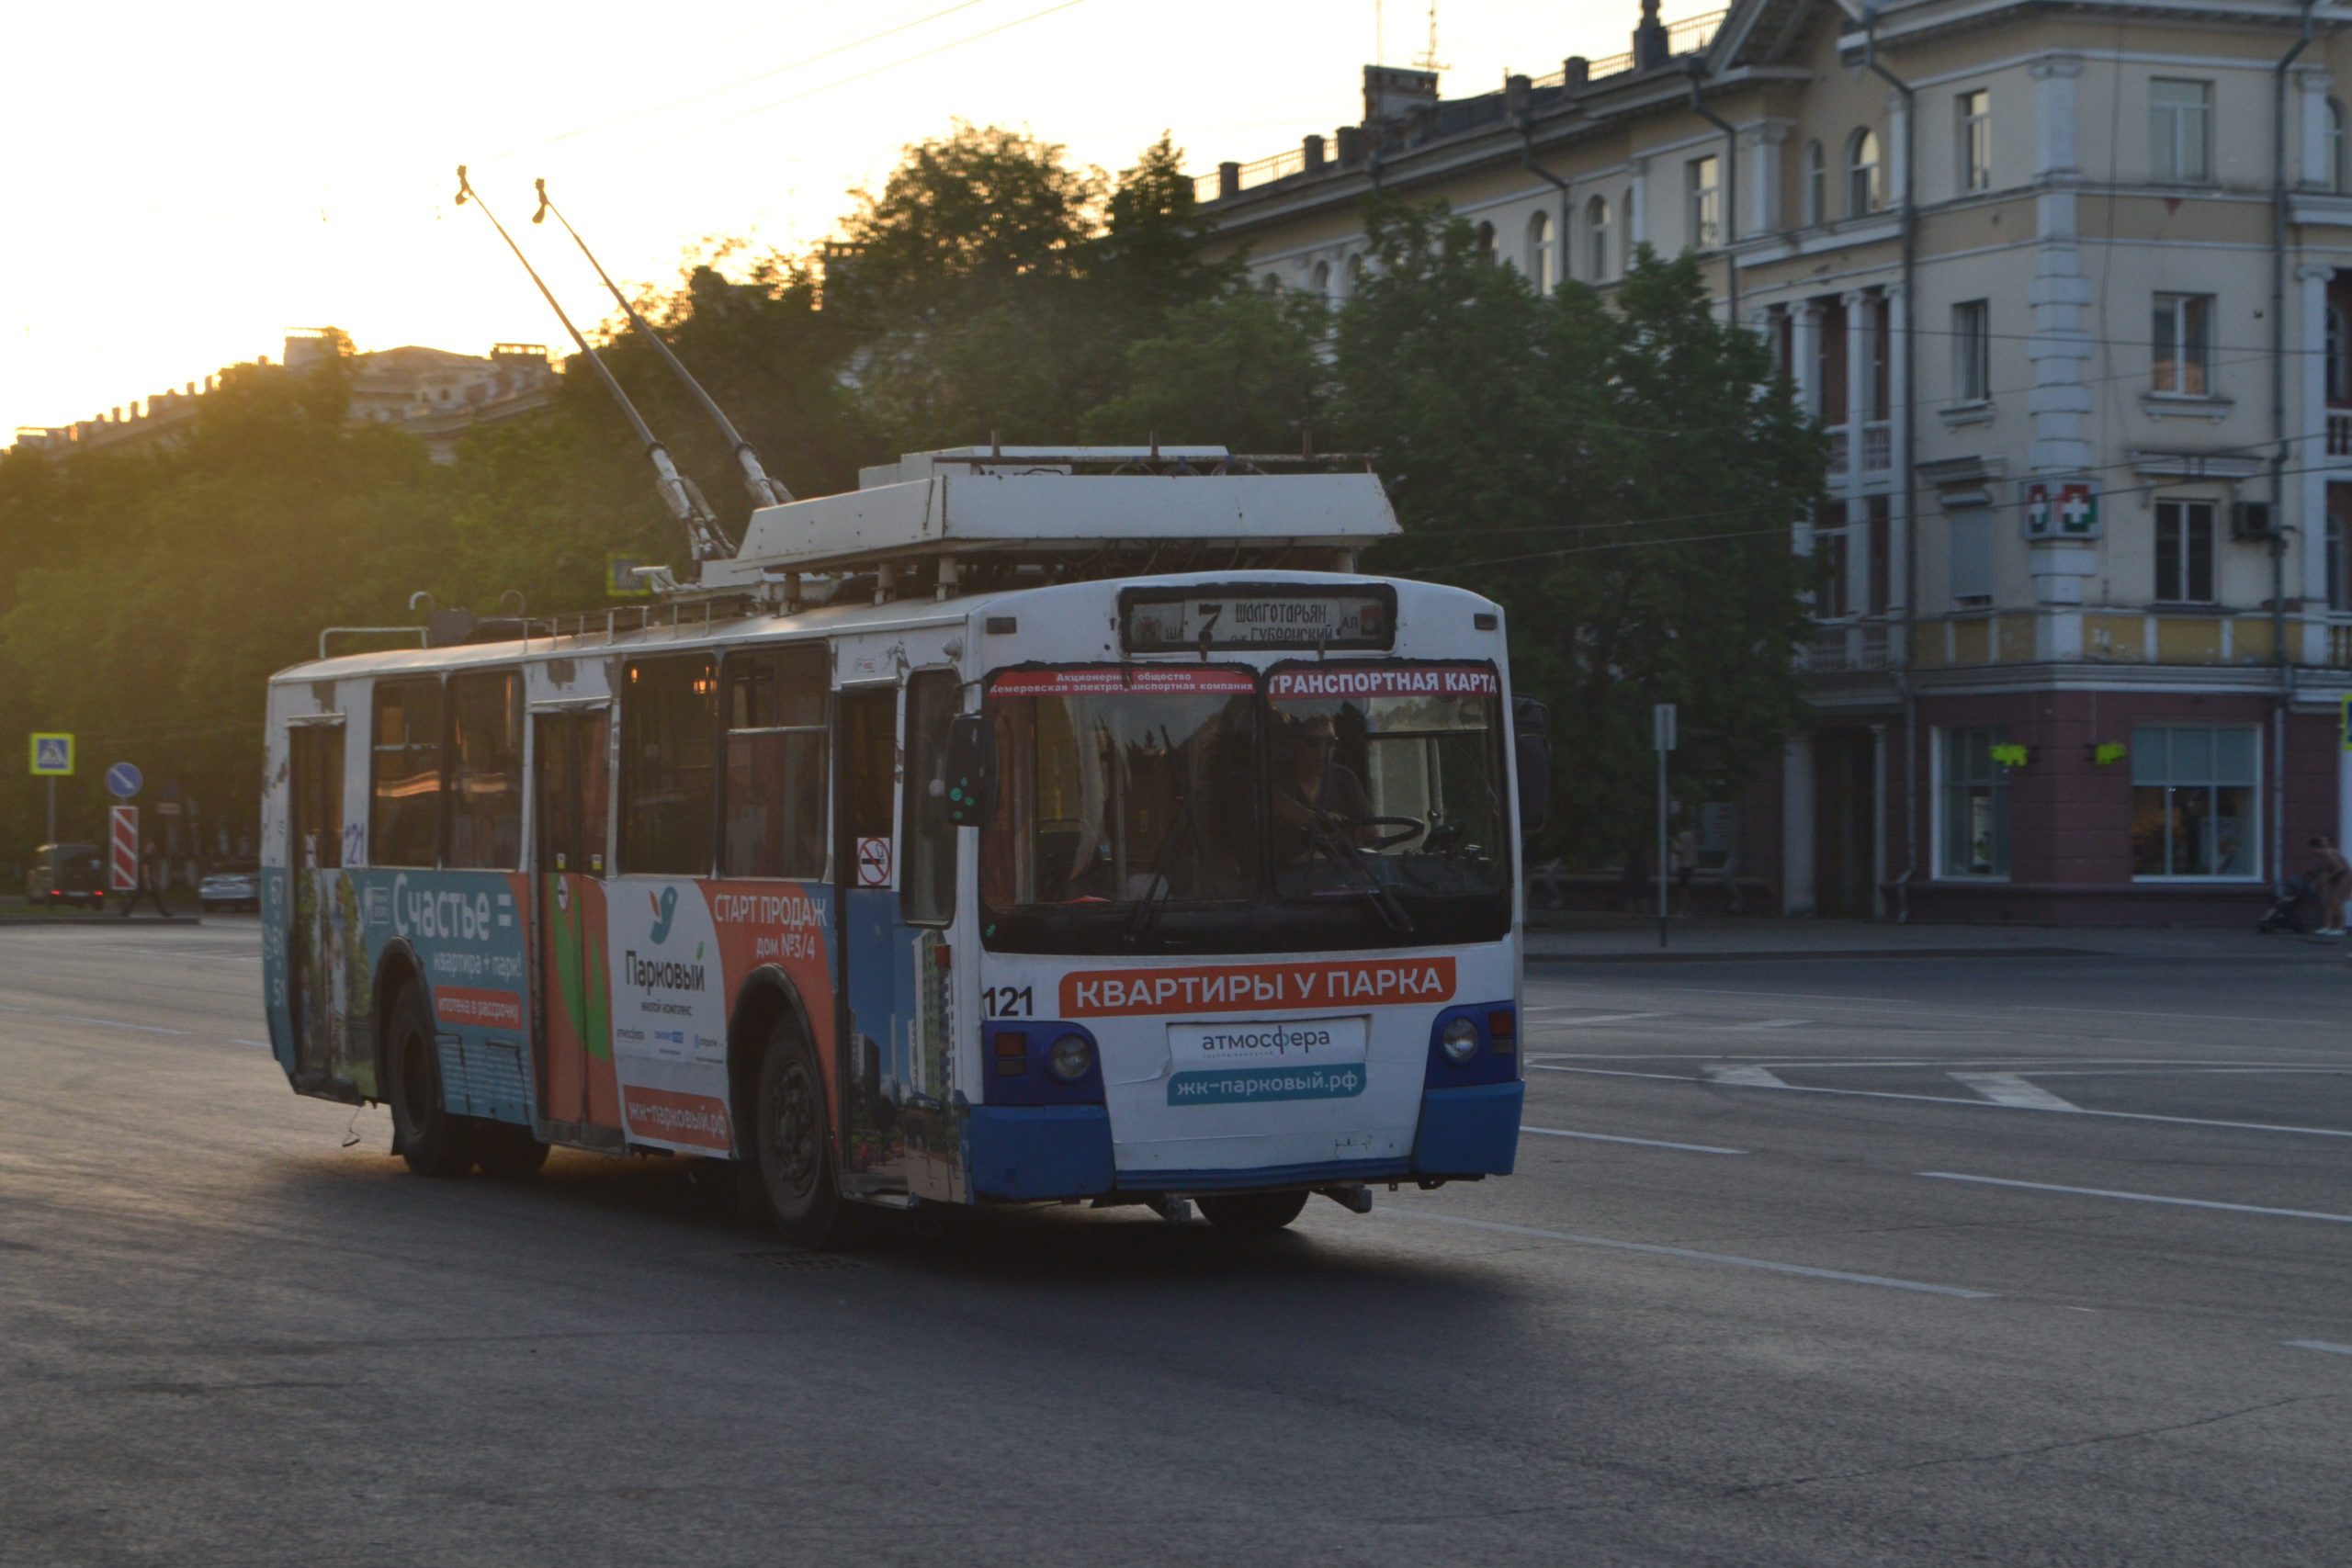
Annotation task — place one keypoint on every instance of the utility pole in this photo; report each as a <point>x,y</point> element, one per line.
<point>1662,738</point>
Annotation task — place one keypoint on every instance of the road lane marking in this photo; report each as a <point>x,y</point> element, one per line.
<point>1744,1078</point>
<point>2010,1088</point>
<point>1943,1100</point>
<point>1645,1143</point>
<point>1658,1250</point>
<point>1583,1022</point>
<point>262,1045</point>
<point>2329,1346</point>
<point>115,1024</point>
<point>1765,1023</point>
<point>2139,1197</point>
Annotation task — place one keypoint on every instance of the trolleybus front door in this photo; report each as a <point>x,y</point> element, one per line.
<point>314,786</point>
<point>865,876</point>
<point>579,1097</point>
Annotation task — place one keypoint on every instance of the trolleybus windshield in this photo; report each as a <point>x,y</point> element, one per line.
<point>1154,809</point>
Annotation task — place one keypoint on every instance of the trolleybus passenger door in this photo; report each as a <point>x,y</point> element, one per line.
<point>866,926</point>
<point>314,860</point>
<point>573,1046</point>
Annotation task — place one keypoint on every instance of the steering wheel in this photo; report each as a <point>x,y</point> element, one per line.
<point>1411,828</point>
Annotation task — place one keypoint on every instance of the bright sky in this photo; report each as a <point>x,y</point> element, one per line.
<point>187,181</point>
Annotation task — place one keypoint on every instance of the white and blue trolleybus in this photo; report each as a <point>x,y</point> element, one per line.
<point>1024,826</point>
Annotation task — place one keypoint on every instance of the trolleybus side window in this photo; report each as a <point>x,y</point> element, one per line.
<point>485,771</point>
<point>776,764</point>
<point>669,725</point>
<point>405,817</point>
<point>927,884</point>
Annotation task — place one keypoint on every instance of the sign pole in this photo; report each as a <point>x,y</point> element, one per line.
<point>1663,726</point>
<point>53,808</point>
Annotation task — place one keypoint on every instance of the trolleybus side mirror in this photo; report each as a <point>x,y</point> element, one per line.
<point>1531,725</point>
<point>969,772</point>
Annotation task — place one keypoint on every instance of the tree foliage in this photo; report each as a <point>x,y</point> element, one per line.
<point>1600,469</point>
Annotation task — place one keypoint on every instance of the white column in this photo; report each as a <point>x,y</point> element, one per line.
<point>1898,137</point>
<point>1637,207</point>
<point>2061,403</point>
<point>1805,350</point>
<point>1856,411</point>
<point>1764,157</point>
<point>1797,896</point>
<point>2054,115</point>
<point>2309,514</point>
<point>2312,104</point>
<point>1898,529</point>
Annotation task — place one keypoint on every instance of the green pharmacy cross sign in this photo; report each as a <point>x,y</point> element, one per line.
<point>2056,509</point>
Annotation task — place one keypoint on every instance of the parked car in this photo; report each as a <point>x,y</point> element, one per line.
<point>233,886</point>
<point>66,873</point>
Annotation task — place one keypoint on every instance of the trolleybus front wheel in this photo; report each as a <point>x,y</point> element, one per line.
<point>506,1152</point>
<point>1253,1213</point>
<point>433,1140</point>
<point>795,1143</point>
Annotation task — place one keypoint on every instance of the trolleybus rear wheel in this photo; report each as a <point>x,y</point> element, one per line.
<point>433,1140</point>
<point>1253,1213</point>
<point>795,1146</point>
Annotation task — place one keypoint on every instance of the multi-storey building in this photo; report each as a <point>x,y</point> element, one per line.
<point>431,393</point>
<point>2070,288</point>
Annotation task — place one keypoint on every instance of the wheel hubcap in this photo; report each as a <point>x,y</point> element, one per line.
<point>792,1143</point>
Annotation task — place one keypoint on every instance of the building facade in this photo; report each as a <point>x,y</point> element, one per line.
<point>2069,286</point>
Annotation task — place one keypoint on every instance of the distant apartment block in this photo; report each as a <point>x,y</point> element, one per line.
<point>431,393</point>
<point>2069,287</point>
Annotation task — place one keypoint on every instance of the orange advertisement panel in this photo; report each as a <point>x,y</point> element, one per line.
<point>467,1008</point>
<point>1252,987</point>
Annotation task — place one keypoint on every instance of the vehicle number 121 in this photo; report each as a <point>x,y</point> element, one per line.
<point>1007,1001</point>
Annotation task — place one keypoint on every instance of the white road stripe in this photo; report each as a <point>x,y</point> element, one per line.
<point>1604,1018</point>
<point>1645,1143</point>
<point>1744,1078</point>
<point>2009,1088</point>
<point>2329,1346</point>
<point>115,1024</point>
<point>1766,1023</point>
<point>1943,1100</point>
<point>264,1044</point>
<point>2139,1197</point>
<point>1658,1250</point>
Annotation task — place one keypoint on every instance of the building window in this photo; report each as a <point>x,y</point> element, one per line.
<point>1976,140</point>
<point>1971,806</point>
<point>1971,537</point>
<point>2339,547</point>
<point>1543,255</point>
<point>1703,181</point>
<point>2339,342</point>
<point>1596,230</point>
<point>2180,116</point>
<point>1487,242</point>
<point>1972,351</point>
<point>1864,192</point>
<point>1831,601</point>
<point>2195,804</point>
<point>2184,552</point>
<point>2182,332</point>
<point>1319,280</point>
<point>1817,184</point>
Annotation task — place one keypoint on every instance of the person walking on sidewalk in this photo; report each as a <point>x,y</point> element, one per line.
<point>146,888</point>
<point>2332,877</point>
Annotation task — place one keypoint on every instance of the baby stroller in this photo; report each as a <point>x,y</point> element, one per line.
<point>2296,910</point>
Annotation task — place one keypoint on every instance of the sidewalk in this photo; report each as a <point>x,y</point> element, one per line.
<point>1576,938</point>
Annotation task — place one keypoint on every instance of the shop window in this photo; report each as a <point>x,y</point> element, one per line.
<point>1973,806</point>
<point>2194,801</point>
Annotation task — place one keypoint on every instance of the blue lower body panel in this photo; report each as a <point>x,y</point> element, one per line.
<point>1026,1152</point>
<point>1327,1173</point>
<point>1469,1132</point>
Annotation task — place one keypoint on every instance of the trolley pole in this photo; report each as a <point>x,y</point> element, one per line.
<point>1662,738</point>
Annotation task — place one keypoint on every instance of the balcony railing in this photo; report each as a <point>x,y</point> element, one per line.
<point>2339,645</point>
<point>2339,433</point>
<point>1878,446</point>
<point>1838,452</point>
<point>1849,647</point>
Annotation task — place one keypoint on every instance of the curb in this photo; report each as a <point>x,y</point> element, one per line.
<point>1815,955</point>
<point>93,922</point>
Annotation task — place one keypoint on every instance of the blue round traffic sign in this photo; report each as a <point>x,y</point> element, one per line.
<point>123,781</point>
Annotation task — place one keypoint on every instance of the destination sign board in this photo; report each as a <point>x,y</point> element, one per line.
<point>1167,621</point>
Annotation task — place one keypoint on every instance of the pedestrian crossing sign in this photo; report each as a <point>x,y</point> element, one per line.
<point>52,755</point>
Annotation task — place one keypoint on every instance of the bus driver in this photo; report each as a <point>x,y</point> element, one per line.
<point>1314,786</point>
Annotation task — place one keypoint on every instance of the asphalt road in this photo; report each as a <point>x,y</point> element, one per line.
<point>2009,1260</point>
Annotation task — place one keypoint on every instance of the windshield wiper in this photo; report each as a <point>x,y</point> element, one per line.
<point>1344,853</point>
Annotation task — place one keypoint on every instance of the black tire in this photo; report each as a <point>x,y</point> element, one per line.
<point>432,1139</point>
<point>1253,1213</point>
<point>792,1142</point>
<point>506,1152</point>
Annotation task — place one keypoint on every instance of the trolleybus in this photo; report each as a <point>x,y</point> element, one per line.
<point>943,845</point>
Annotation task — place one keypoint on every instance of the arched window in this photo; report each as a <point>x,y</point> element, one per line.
<point>2336,170</point>
<point>1817,184</point>
<point>1596,233</point>
<point>1485,242</point>
<point>1542,256</point>
<point>1864,192</point>
<point>1320,281</point>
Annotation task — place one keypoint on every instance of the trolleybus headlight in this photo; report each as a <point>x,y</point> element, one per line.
<point>1072,1058</point>
<point>1460,1040</point>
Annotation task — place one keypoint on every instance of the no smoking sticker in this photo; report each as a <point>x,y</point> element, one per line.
<point>874,862</point>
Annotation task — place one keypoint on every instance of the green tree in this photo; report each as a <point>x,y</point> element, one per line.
<point>1620,476</point>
